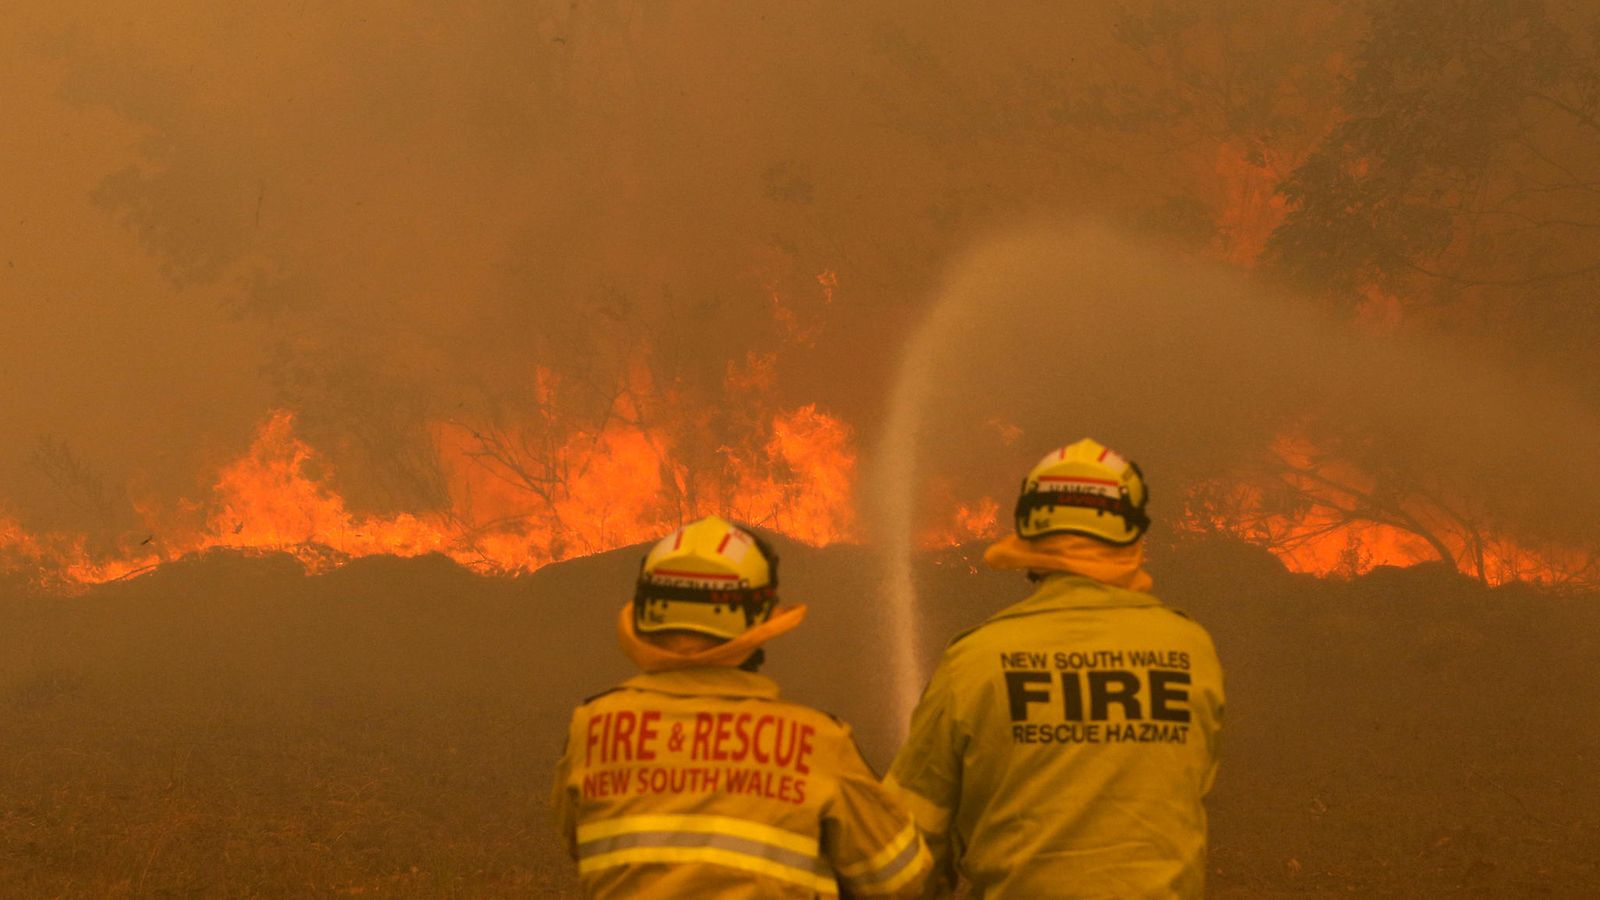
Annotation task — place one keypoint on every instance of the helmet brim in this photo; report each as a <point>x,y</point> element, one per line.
<point>653,658</point>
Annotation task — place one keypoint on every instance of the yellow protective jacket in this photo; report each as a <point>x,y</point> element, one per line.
<point>702,783</point>
<point>1062,747</point>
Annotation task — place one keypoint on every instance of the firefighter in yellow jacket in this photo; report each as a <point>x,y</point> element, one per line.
<point>1062,747</point>
<point>693,779</point>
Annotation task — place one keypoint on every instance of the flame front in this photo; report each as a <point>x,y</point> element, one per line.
<point>566,476</point>
<point>1324,515</point>
<point>623,485</point>
<point>617,487</point>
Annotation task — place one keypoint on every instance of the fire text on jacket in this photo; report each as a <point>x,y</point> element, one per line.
<point>1097,696</point>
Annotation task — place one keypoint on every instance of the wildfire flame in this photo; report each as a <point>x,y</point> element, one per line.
<point>522,495</point>
<point>1320,514</point>
<point>551,486</point>
<point>976,521</point>
<point>280,495</point>
<point>622,486</point>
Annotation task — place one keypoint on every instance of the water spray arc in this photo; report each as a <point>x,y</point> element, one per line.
<point>1204,374</point>
<point>894,493</point>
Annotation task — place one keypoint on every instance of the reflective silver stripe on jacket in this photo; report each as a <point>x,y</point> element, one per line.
<point>718,840</point>
<point>899,861</point>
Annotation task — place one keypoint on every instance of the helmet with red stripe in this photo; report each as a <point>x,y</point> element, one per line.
<point>1084,488</point>
<point>710,577</point>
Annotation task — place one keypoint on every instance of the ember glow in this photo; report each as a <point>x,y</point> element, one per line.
<point>596,492</point>
<point>976,521</point>
<point>623,485</point>
<point>1323,515</point>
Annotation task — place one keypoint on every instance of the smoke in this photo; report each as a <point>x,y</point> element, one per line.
<point>380,219</point>
<point>386,220</point>
<point>1077,330</point>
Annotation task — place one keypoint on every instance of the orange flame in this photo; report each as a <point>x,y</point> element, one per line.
<point>977,521</point>
<point>604,490</point>
<point>1253,208</point>
<point>1318,518</point>
<point>521,495</point>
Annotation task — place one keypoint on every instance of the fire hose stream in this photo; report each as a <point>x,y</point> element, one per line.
<point>894,479</point>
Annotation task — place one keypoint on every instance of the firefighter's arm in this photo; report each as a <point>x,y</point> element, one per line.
<point>872,844</point>
<point>926,774</point>
<point>563,800</point>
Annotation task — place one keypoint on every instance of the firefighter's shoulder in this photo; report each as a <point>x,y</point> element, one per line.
<point>599,697</point>
<point>1179,623</point>
<point>964,635</point>
<point>833,730</point>
<point>824,724</point>
<point>593,697</point>
<point>801,711</point>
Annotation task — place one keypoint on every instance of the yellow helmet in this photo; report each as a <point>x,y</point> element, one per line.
<point>1084,488</point>
<point>711,577</point>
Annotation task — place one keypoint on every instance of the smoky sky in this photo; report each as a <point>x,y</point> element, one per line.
<point>1066,330</point>
<point>385,217</point>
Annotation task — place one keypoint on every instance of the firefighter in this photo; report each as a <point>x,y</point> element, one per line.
<point>1063,746</point>
<point>693,779</point>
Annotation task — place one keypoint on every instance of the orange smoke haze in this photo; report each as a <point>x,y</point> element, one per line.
<point>386,221</point>
<point>536,280</point>
<point>1336,447</point>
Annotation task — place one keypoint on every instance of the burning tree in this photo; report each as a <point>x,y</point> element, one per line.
<point>1457,195</point>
